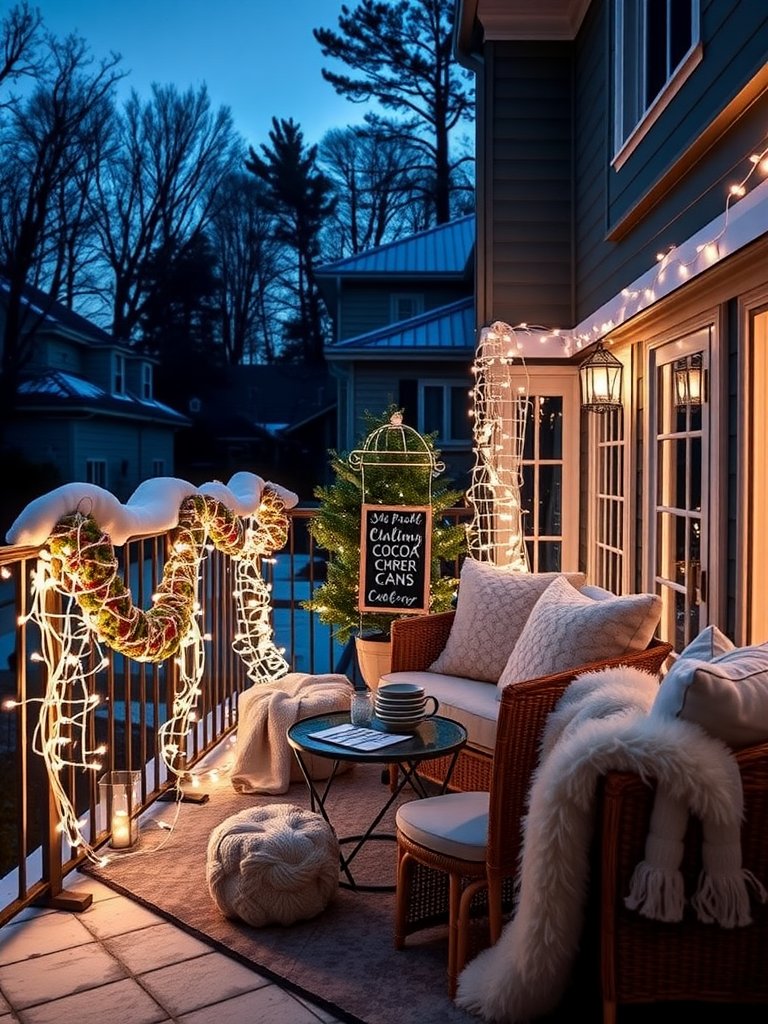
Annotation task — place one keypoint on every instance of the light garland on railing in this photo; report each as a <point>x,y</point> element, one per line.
<point>78,570</point>
<point>253,640</point>
<point>499,412</point>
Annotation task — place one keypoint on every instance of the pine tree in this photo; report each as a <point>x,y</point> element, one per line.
<point>336,528</point>
<point>400,54</point>
<point>299,196</point>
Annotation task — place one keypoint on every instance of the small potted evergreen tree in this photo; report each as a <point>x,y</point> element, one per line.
<point>336,528</point>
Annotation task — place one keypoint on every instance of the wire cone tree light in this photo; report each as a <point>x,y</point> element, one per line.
<point>500,411</point>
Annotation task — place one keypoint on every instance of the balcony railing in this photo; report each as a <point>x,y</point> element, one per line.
<point>135,701</point>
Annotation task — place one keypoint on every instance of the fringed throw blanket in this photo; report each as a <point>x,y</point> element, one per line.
<point>263,758</point>
<point>601,724</point>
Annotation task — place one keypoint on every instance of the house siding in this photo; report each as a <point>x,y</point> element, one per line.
<point>529,220</point>
<point>366,309</point>
<point>602,266</point>
<point>377,385</point>
<point>56,354</point>
<point>128,449</point>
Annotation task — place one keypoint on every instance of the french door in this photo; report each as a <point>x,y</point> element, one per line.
<point>680,484</point>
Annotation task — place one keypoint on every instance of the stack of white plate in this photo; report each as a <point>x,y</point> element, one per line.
<point>400,707</point>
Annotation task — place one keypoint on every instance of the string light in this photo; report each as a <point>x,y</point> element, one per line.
<point>672,259</point>
<point>78,573</point>
<point>499,416</point>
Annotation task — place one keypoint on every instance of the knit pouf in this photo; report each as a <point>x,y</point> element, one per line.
<point>273,865</point>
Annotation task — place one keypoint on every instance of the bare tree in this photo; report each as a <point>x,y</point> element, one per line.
<point>19,37</point>
<point>42,143</point>
<point>374,185</point>
<point>160,187</point>
<point>400,54</point>
<point>250,265</point>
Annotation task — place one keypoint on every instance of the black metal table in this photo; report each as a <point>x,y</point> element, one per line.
<point>435,737</point>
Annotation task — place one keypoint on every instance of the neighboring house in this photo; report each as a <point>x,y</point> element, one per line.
<point>404,332</point>
<point>621,198</point>
<point>85,403</point>
<point>278,421</point>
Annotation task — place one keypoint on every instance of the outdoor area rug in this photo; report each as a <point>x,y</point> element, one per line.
<point>345,958</point>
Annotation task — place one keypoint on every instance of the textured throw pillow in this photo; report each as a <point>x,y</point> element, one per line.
<point>722,688</point>
<point>567,629</point>
<point>492,608</point>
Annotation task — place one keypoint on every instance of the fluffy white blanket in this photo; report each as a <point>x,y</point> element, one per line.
<point>263,758</point>
<point>601,723</point>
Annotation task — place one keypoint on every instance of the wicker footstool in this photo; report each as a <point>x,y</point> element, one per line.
<point>274,864</point>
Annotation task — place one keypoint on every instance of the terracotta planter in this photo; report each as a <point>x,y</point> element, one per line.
<point>374,657</point>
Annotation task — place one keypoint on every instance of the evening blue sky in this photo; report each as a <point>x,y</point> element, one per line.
<point>258,57</point>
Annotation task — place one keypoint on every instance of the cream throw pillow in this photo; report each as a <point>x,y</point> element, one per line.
<point>567,629</point>
<point>491,610</point>
<point>722,688</point>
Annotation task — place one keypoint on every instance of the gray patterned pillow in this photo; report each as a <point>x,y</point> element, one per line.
<point>567,629</point>
<point>491,610</point>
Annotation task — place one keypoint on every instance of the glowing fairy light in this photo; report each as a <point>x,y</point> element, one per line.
<point>495,533</point>
<point>78,574</point>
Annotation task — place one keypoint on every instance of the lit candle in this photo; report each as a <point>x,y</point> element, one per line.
<point>121,830</point>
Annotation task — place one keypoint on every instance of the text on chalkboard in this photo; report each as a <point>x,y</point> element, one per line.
<point>395,558</point>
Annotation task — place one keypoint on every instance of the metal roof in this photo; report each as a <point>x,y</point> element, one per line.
<point>443,332</point>
<point>55,389</point>
<point>55,316</point>
<point>445,249</point>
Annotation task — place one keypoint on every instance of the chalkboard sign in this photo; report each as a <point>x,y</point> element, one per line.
<point>395,543</point>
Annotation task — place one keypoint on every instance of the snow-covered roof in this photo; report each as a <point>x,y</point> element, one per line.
<point>57,387</point>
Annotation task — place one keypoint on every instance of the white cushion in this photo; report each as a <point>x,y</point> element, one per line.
<point>492,607</point>
<point>710,643</point>
<point>727,695</point>
<point>567,629</point>
<point>470,702</point>
<point>455,824</point>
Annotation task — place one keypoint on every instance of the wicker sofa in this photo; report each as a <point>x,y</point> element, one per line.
<point>416,643</point>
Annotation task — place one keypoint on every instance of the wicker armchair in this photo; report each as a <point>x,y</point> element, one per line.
<point>417,641</point>
<point>433,887</point>
<point>645,961</point>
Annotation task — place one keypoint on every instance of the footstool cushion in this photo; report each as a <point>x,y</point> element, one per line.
<point>274,864</point>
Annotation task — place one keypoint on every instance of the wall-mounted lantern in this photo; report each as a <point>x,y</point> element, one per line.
<point>689,381</point>
<point>600,376</point>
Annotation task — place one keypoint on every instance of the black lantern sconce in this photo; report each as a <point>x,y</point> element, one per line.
<point>689,381</point>
<point>601,376</point>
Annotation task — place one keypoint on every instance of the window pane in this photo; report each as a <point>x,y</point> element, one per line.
<point>672,472</point>
<point>551,428</point>
<point>656,48</point>
<point>549,556</point>
<point>529,430</point>
<point>459,428</point>
<point>681,31</point>
<point>670,543</point>
<point>695,470</point>
<point>550,500</point>
<point>526,499</point>
<point>433,410</point>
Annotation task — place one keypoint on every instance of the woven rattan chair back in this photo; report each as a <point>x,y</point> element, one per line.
<point>644,961</point>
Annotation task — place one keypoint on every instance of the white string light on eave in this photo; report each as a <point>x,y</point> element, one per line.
<point>672,262</point>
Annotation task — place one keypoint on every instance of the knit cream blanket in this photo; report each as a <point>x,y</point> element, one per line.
<point>263,759</point>
<point>600,724</point>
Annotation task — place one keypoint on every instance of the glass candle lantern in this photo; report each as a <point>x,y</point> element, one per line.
<point>120,794</point>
